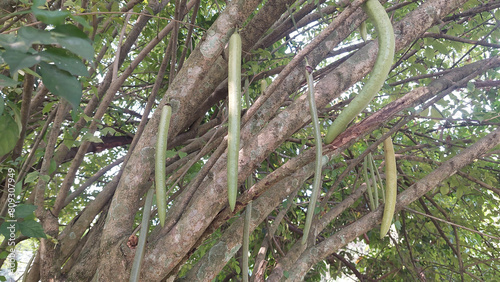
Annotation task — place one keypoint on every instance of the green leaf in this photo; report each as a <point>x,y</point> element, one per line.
<point>33,73</point>
<point>8,39</point>
<point>51,17</point>
<point>434,29</point>
<point>17,115</point>
<point>435,113</point>
<point>46,16</point>
<point>7,82</point>
<point>24,210</point>
<point>20,60</point>
<point>440,47</point>
<point>460,192</point>
<point>10,134</point>
<point>74,40</point>
<point>53,166</point>
<point>68,139</point>
<point>3,255</point>
<point>47,108</point>
<point>317,210</point>
<point>421,69</point>
<point>457,29</point>
<point>45,178</point>
<point>31,177</point>
<point>68,36</point>
<point>397,224</point>
<point>61,83</point>
<point>32,228</point>
<point>65,61</point>
<point>7,227</point>
<point>429,53</point>
<point>86,118</point>
<point>170,154</point>
<point>18,188</point>
<point>107,131</point>
<point>444,189</point>
<point>471,86</point>
<point>28,36</point>
<point>91,138</point>
<point>182,154</point>
<point>81,20</point>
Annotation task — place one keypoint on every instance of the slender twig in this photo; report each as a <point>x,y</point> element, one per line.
<point>319,153</point>
<point>458,39</point>
<point>453,224</point>
<point>189,34</point>
<point>141,14</point>
<point>120,43</point>
<point>91,180</point>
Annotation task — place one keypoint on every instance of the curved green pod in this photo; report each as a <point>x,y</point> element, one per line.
<point>368,184</point>
<point>319,153</point>
<point>383,63</point>
<point>160,157</point>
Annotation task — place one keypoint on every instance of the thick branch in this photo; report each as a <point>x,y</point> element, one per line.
<point>413,193</point>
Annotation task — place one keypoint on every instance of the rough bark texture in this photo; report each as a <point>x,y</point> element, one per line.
<point>316,253</point>
<point>184,98</point>
<point>184,234</point>
<point>281,182</point>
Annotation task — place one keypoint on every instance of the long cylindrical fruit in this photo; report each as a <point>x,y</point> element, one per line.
<point>141,245</point>
<point>379,181</point>
<point>248,209</point>
<point>385,56</point>
<point>374,179</point>
<point>368,185</point>
<point>319,154</point>
<point>247,93</point>
<point>391,187</point>
<point>234,113</point>
<point>160,158</point>
<point>246,240</point>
